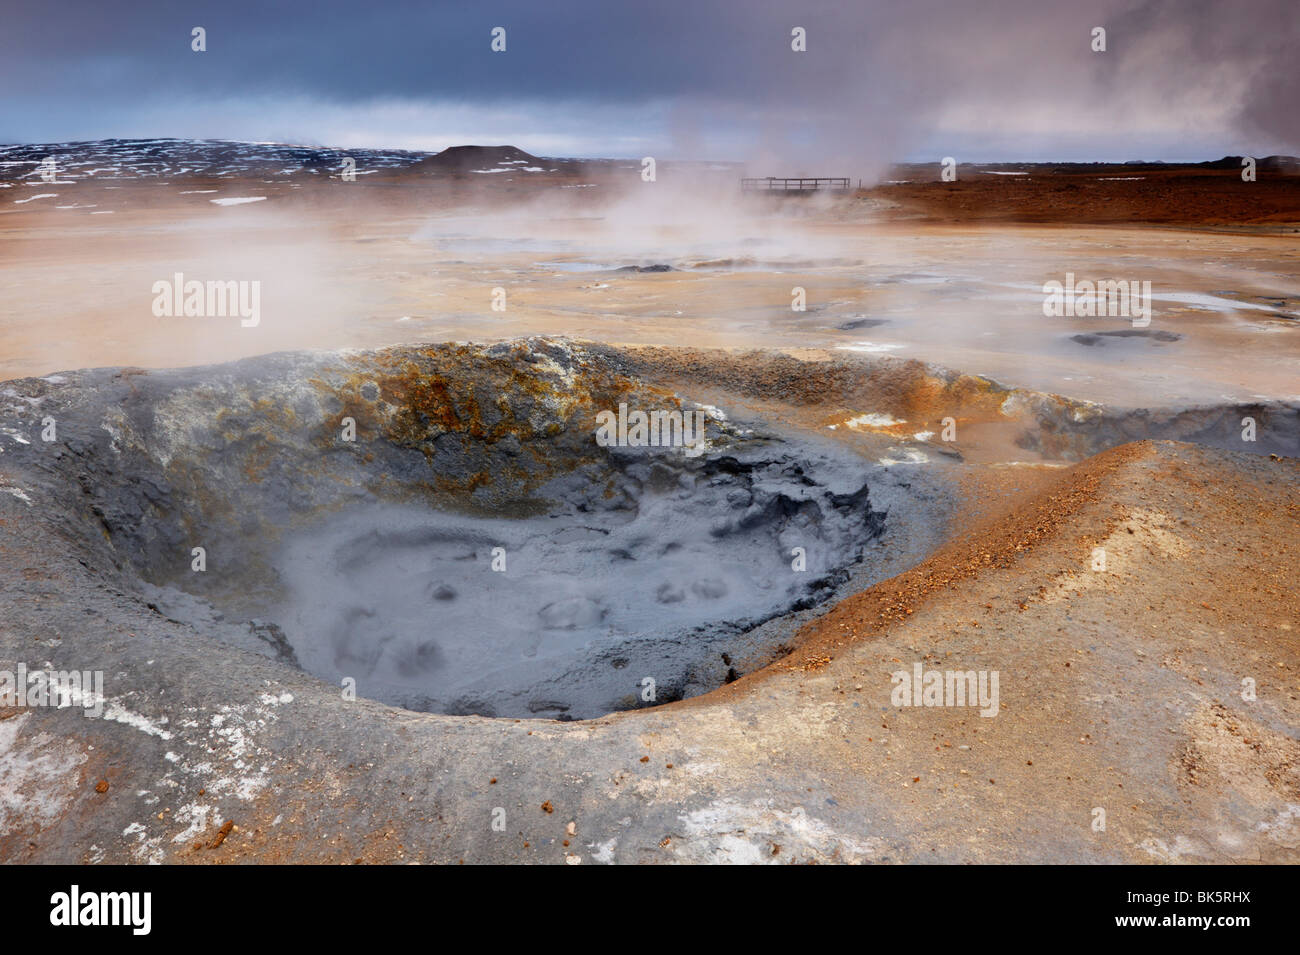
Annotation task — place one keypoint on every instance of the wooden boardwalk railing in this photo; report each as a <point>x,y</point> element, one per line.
<point>811,184</point>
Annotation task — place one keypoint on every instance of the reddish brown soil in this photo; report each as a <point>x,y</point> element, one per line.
<point>1116,195</point>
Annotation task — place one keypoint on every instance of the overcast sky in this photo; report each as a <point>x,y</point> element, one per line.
<point>706,79</point>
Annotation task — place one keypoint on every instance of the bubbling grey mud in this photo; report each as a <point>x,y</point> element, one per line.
<point>603,603</point>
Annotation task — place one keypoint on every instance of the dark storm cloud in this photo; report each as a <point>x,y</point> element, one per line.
<point>349,50</point>
<point>878,79</point>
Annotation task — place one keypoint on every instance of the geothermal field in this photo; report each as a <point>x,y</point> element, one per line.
<point>724,432</point>
<point>332,491</point>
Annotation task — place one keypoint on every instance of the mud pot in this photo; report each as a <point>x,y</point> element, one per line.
<point>439,529</point>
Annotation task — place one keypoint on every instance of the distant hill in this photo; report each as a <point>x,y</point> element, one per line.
<point>172,160</point>
<point>1283,164</point>
<point>177,158</point>
<point>458,160</point>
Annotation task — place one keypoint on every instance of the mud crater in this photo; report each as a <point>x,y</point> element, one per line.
<point>473,550</point>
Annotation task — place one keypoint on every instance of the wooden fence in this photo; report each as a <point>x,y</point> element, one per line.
<point>818,184</point>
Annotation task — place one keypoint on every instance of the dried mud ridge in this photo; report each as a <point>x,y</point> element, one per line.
<point>1120,690</point>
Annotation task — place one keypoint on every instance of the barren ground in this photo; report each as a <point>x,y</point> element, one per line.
<point>1124,690</point>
